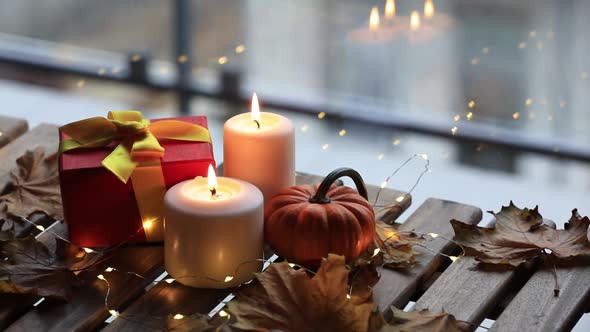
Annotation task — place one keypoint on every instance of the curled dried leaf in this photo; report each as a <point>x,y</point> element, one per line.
<point>28,266</point>
<point>34,187</point>
<point>520,235</point>
<point>287,299</point>
<point>396,248</point>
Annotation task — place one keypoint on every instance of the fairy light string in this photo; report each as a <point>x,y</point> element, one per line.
<point>164,280</point>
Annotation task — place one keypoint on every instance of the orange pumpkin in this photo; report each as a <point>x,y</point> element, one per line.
<point>307,222</point>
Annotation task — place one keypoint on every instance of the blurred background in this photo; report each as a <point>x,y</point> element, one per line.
<point>494,92</point>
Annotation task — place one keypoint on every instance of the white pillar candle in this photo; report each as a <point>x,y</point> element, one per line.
<point>213,232</point>
<point>259,147</point>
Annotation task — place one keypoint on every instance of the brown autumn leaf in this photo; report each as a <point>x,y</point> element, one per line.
<point>34,187</point>
<point>520,235</point>
<point>287,299</point>
<point>396,248</point>
<point>28,266</point>
<point>194,323</point>
<point>422,320</point>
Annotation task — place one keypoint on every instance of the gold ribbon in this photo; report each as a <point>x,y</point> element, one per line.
<point>138,146</point>
<point>137,136</point>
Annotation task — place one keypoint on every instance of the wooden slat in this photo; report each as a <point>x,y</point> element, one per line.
<point>149,311</point>
<point>467,293</point>
<point>535,308</point>
<point>396,287</point>
<point>11,128</point>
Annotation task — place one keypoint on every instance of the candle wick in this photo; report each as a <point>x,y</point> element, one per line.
<point>213,192</point>
<point>257,124</point>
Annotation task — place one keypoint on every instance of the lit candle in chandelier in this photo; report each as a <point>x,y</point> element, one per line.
<point>428,9</point>
<point>415,21</point>
<point>374,19</point>
<point>213,231</point>
<point>389,9</point>
<point>259,147</point>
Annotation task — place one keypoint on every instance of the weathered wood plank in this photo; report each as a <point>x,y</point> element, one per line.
<point>396,287</point>
<point>535,308</point>
<point>11,128</point>
<point>150,311</point>
<point>467,293</point>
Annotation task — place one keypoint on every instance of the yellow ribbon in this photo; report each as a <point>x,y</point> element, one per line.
<point>137,136</point>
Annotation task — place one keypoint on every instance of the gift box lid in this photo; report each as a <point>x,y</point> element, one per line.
<point>175,150</point>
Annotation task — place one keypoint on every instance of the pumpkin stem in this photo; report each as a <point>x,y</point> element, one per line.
<point>321,195</point>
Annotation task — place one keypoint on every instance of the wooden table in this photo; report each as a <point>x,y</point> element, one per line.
<point>518,300</point>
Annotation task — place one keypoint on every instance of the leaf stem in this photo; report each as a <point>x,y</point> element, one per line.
<point>556,287</point>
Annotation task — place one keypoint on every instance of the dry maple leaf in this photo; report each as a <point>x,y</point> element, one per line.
<point>396,248</point>
<point>34,187</point>
<point>28,266</point>
<point>422,320</point>
<point>287,299</point>
<point>520,235</point>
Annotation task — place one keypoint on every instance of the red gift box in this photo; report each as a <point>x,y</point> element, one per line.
<point>101,210</point>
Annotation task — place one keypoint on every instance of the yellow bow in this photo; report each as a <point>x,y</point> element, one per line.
<point>137,136</point>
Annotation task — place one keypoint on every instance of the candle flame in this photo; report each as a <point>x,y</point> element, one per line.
<point>211,180</point>
<point>374,19</point>
<point>428,9</point>
<point>390,9</point>
<point>415,20</point>
<point>255,108</point>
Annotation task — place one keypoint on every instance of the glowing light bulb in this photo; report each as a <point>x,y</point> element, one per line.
<point>148,224</point>
<point>223,313</point>
<point>109,269</point>
<point>291,265</point>
<point>433,235</point>
<point>321,115</point>
<point>178,316</point>
<point>348,296</point>
<point>414,21</point>
<point>240,49</point>
<point>169,280</point>
<point>39,227</point>
<point>428,9</point>
<point>114,313</point>
<point>100,277</point>
<point>454,130</point>
<point>376,252</point>
<point>88,250</point>
<point>374,19</point>
<point>453,258</point>
<point>389,9</point>
<point>342,132</point>
<point>469,116</point>
<point>222,60</point>
<point>228,279</point>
